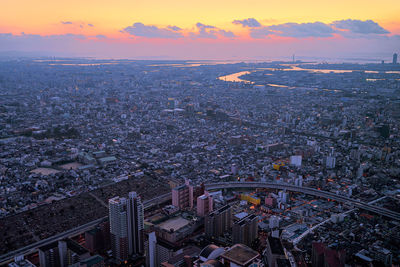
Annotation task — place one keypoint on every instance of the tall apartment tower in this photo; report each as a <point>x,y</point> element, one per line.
<point>218,221</point>
<point>118,216</point>
<point>245,231</point>
<point>394,58</point>
<point>204,204</point>
<point>135,224</point>
<point>49,255</point>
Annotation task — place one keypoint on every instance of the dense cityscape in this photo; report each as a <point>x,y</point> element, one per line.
<point>199,163</point>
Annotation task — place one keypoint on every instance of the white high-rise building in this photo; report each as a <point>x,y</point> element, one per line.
<point>126,226</point>
<point>118,227</point>
<point>135,224</point>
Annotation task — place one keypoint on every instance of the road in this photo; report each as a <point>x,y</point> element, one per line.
<point>309,191</point>
<point>215,186</point>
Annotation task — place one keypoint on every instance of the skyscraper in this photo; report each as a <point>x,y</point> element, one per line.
<point>126,226</point>
<point>118,227</point>
<point>135,224</point>
<point>218,221</point>
<point>245,231</point>
<point>394,58</point>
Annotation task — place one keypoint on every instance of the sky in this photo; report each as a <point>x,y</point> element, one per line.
<point>207,29</point>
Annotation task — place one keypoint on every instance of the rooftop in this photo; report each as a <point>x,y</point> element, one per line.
<point>240,254</point>
<point>174,223</point>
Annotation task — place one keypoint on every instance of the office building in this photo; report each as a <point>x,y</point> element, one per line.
<point>245,231</point>
<point>394,58</point>
<point>218,221</point>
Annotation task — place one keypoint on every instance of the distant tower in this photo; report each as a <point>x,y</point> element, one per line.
<point>293,58</point>
<point>394,58</point>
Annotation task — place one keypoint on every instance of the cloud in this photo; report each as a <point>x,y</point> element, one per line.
<point>150,31</point>
<point>174,28</point>
<point>101,36</point>
<point>260,33</point>
<point>46,44</point>
<point>295,30</point>
<point>250,22</point>
<point>359,27</point>
<point>302,30</point>
<point>80,24</point>
<point>210,32</point>
<point>203,26</point>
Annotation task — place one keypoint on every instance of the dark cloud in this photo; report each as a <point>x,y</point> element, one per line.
<point>90,25</point>
<point>66,22</point>
<point>359,27</point>
<point>250,22</point>
<point>150,31</point>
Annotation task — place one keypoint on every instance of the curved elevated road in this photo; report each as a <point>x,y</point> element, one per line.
<point>214,186</point>
<point>309,191</point>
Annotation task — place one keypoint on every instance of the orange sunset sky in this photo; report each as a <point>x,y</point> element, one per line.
<point>186,29</point>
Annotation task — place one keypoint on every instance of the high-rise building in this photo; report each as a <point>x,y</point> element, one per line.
<point>182,196</point>
<point>204,204</point>
<point>394,58</point>
<point>151,251</point>
<point>245,231</point>
<point>126,226</point>
<point>135,224</point>
<point>274,251</point>
<point>118,227</point>
<point>71,252</point>
<point>218,221</point>
<point>49,255</point>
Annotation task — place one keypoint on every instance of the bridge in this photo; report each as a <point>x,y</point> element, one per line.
<point>309,191</point>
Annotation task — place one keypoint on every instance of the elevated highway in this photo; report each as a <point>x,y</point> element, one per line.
<point>309,191</point>
<point>214,186</point>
